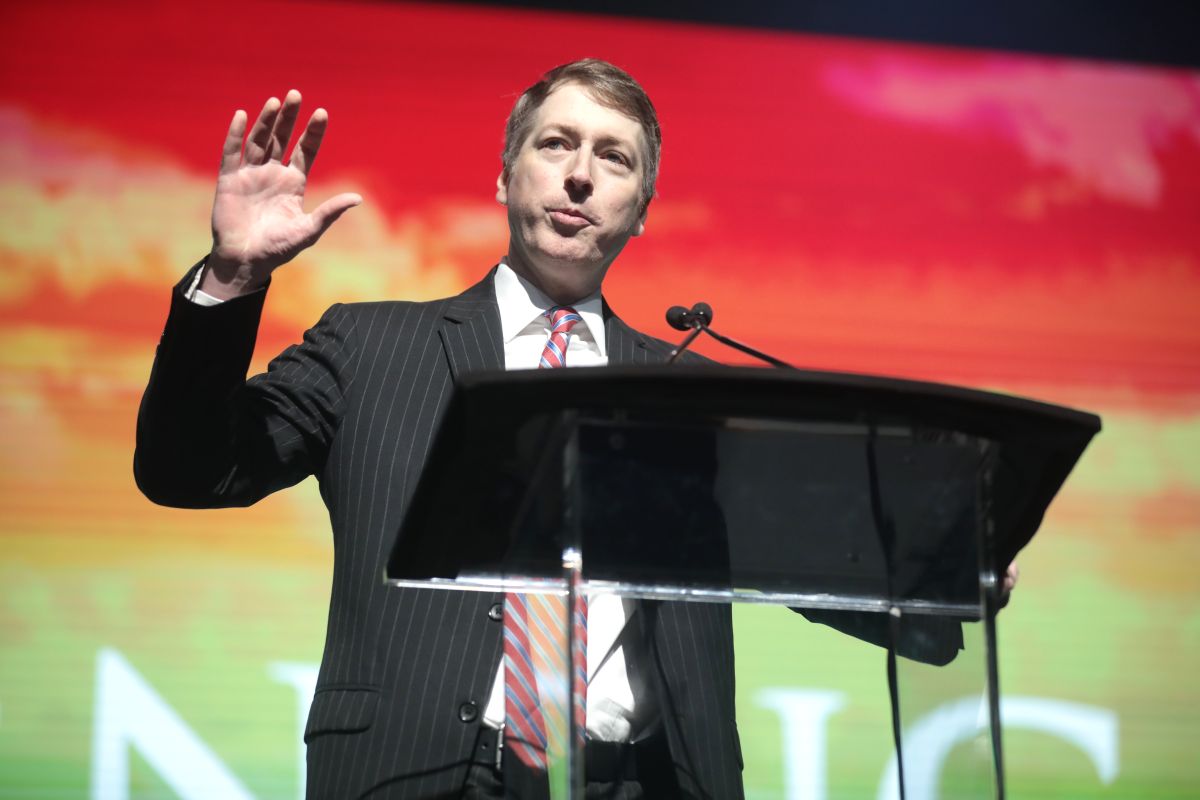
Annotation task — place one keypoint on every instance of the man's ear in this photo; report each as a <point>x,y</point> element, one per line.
<point>641,224</point>
<point>502,188</point>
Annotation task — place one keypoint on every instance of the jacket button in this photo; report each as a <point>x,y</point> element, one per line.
<point>468,711</point>
<point>496,612</point>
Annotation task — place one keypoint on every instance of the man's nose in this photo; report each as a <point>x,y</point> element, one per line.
<point>579,173</point>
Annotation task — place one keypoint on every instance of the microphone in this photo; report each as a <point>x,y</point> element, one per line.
<point>697,319</point>
<point>682,319</point>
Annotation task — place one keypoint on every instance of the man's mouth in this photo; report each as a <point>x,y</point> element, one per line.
<point>570,217</point>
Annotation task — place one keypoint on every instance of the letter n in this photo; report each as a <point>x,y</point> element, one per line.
<point>130,714</point>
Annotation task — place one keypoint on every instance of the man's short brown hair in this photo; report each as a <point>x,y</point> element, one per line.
<point>610,86</point>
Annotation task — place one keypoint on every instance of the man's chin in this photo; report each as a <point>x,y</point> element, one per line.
<point>567,281</point>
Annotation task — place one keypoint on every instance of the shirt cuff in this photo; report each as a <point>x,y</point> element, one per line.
<point>198,297</point>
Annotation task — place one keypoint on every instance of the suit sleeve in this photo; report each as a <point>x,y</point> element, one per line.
<point>927,639</point>
<point>207,437</point>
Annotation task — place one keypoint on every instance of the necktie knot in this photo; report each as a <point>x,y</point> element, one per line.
<point>562,320</point>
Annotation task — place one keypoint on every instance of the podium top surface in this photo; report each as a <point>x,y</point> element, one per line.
<point>775,393</point>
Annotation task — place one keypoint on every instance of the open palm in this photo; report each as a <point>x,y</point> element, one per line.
<point>258,219</point>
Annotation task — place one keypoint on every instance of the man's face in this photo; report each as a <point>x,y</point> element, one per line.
<point>573,194</point>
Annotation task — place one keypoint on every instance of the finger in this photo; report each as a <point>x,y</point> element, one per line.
<point>285,121</point>
<point>310,141</point>
<point>328,212</point>
<point>231,153</point>
<point>260,135</point>
<point>1012,576</point>
<point>1010,582</point>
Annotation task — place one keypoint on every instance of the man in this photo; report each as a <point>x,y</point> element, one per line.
<point>411,689</point>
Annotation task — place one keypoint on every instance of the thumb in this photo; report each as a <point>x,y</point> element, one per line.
<point>328,212</point>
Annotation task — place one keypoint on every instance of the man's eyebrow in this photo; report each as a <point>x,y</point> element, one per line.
<point>561,127</point>
<point>571,130</point>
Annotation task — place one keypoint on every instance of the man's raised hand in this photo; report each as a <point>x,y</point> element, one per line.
<point>258,219</point>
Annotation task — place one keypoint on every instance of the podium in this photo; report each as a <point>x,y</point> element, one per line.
<point>887,508</point>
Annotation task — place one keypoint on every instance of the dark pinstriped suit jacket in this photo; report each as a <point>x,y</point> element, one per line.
<point>356,404</point>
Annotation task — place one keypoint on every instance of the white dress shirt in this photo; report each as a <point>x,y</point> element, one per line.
<point>525,328</point>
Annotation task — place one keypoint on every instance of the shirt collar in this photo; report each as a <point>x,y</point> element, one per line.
<point>521,303</point>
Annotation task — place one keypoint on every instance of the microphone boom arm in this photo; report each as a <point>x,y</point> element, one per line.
<point>698,318</point>
<point>747,349</point>
<point>691,337</point>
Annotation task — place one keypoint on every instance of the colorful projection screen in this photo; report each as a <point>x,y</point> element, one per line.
<point>1018,223</point>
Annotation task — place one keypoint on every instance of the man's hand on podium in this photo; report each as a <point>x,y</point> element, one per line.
<point>258,219</point>
<point>1011,575</point>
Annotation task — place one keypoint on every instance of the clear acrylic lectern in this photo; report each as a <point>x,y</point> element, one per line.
<point>886,508</point>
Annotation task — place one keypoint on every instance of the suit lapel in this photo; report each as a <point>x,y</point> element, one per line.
<point>625,346</point>
<point>470,330</point>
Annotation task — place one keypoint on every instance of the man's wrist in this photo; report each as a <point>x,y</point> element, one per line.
<point>223,280</point>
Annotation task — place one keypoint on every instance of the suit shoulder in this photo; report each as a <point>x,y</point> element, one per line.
<point>659,350</point>
<point>372,307</point>
<point>390,313</point>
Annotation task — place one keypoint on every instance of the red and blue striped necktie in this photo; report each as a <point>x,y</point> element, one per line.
<point>535,644</point>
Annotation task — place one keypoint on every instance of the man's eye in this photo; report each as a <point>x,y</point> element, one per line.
<point>617,158</point>
<point>554,144</point>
